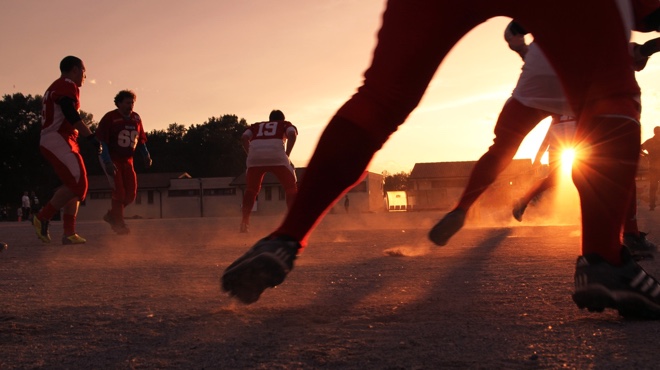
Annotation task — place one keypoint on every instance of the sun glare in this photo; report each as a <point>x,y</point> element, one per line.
<point>567,157</point>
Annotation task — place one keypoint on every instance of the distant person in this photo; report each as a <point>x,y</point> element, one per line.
<point>60,126</point>
<point>19,214</point>
<point>35,203</point>
<point>347,203</point>
<point>268,146</point>
<point>651,150</point>
<point>25,204</point>
<point>121,133</point>
<point>414,39</point>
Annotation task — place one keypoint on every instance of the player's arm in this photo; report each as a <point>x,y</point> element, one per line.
<point>72,115</point>
<point>641,53</point>
<point>650,47</point>
<point>291,136</point>
<point>245,140</point>
<point>144,152</point>
<point>514,35</point>
<point>142,145</point>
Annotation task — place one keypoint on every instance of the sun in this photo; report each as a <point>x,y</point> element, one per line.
<point>567,157</point>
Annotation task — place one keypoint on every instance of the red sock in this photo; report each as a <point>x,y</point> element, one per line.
<point>605,180</point>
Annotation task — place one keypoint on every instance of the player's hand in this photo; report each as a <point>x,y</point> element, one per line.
<point>147,161</point>
<point>110,168</point>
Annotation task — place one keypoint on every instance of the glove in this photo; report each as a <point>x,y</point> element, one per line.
<point>147,161</point>
<point>110,168</point>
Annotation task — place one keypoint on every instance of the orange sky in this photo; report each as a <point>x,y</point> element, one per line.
<point>188,61</point>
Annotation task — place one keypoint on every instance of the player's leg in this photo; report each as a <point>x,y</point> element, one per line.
<point>253,178</point>
<point>70,169</point>
<point>589,52</point>
<point>515,121</point>
<point>414,38</point>
<point>70,209</point>
<point>513,124</point>
<point>116,213</point>
<point>540,186</point>
<point>287,177</point>
<point>126,180</point>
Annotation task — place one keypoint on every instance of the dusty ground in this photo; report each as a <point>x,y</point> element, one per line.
<point>369,293</point>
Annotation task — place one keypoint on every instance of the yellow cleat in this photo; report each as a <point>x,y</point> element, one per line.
<point>73,239</point>
<point>41,228</point>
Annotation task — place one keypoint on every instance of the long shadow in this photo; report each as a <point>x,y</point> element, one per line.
<point>324,309</point>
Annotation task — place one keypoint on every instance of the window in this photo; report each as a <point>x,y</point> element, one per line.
<point>100,195</point>
<point>269,192</point>
<point>138,198</point>
<point>183,193</point>
<point>220,191</point>
<point>150,197</point>
<point>282,194</point>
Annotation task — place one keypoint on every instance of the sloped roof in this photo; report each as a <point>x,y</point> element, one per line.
<point>445,170</point>
<point>145,180</point>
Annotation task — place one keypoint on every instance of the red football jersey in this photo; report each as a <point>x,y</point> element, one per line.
<point>267,143</point>
<point>52,118</point>
<point>122,134</point>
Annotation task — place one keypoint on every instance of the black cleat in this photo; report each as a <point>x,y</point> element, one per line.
<point>627,288</point>
<point>447,227</point>
<point>265,265</point>
<point>519,210</point>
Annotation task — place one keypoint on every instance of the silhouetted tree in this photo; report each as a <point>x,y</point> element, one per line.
<point>397,181</point>
<point>167,149</point>
<point>207,150</point>
<point>22,167</point>
<point>214,147</point>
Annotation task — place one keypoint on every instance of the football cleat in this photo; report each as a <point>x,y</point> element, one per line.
<point>265,265</point>
<point>447,227</point>
<point>73,239</point>
<point>41,228</point>
<point>627,288</point>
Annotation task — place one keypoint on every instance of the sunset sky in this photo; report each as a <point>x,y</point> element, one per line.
<point>191,60</point>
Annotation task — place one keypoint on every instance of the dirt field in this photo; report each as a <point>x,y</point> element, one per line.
<point>369,293</point>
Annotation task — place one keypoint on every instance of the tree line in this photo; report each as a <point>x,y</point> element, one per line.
<point>209,149</point>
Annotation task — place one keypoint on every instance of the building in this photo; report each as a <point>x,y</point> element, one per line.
<point>174,195</point>
<point>439,185</point>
